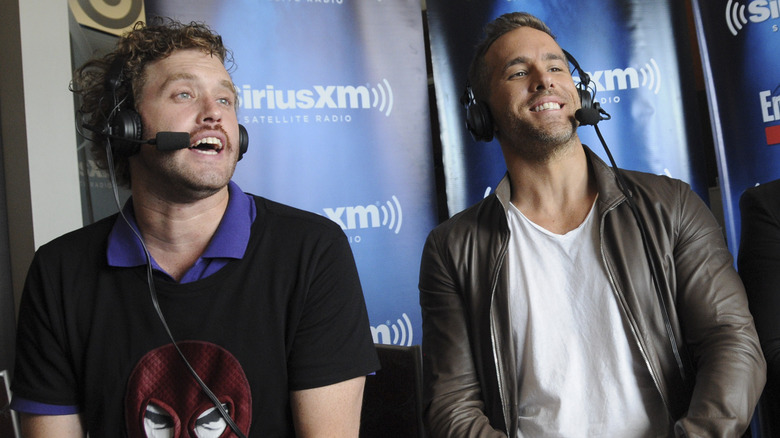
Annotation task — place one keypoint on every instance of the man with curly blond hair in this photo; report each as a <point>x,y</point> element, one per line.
<point>199,310</point>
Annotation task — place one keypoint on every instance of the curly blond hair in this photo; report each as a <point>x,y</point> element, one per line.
<point>147,42</point>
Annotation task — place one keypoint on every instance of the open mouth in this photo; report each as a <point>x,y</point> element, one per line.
<point>546,106</point>
<point>208,145</point>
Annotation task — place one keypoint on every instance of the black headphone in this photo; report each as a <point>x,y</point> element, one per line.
<point>123,125</point>
<point>479,121</point>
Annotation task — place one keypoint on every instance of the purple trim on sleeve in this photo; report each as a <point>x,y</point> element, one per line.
<point>32,407</point>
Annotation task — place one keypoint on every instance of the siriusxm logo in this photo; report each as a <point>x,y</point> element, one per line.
<point>378,97</point>
<point>759,10</point>
<point>398,333</point>
<point>387,215</point>
<point>648,76</point>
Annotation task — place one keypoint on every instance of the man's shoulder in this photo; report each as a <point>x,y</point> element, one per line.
<point>659,186</point>
<point>276,213</point>
<point>488,212</point>
<point>639,182</point>
<point>82,238</point>
<point>767,191</point>
<point>763,199</point>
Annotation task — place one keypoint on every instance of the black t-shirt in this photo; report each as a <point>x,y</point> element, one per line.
<point>290,315</point>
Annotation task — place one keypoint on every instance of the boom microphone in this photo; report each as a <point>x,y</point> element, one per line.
<point>591,116</point>
<point>587,116</point>
<point>170,141</point>
<point>164,140</point>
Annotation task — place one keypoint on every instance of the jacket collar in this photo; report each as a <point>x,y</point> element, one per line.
<point>610,194</point>
<point>606,184</point>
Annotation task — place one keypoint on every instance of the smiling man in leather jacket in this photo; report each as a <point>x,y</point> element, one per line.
<point>541,314</point>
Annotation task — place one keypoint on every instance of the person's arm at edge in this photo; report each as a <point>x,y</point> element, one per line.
<point>718,326</point>
<point>759,260</point>
<point>453,403</point>
<point>62,426</point>
<point>328,411</point>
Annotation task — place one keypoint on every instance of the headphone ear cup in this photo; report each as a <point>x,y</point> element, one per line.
<point>243,141</point>
<point>479,121</point>
<point>125,127</point>
<point>586,99</point>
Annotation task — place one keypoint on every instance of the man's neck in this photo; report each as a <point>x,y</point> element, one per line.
<point>556,194</point>
<point>177,234</point>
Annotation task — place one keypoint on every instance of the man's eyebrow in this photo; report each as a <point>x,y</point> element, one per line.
<point>176,78</point>
<point>189,77</point>
<point>549,56</point>
<point>553,56</point>
<point>515,61</point>
<point>229,85</point>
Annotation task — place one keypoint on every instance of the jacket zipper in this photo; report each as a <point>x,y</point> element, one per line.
<point>632,322</point>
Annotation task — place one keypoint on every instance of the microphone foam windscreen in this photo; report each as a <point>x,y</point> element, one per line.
<point>587,116</point>
<point>171,141</point>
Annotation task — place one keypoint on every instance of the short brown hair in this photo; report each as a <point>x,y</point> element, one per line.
<point>478,75</point>
<point>144,44</point>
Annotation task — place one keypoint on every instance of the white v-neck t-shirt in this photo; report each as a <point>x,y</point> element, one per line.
<point>578,374</point>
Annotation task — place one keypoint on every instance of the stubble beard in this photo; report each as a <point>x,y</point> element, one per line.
<point>541,144</point>
<point>181,183</point>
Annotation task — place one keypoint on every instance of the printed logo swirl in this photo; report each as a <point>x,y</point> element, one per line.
<point>112,14</point>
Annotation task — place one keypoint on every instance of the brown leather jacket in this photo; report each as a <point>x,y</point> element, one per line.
<point>471,388</point>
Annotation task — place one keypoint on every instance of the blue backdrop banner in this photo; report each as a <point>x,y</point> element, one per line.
<point>334,96</point>
<point>740,41</point>
<point>637,54</point>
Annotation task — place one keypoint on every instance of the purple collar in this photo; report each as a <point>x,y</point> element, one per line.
<point>229,241</point>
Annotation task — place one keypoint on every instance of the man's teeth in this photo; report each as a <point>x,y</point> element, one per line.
<point>547,106</point>
<point>214,142</point>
